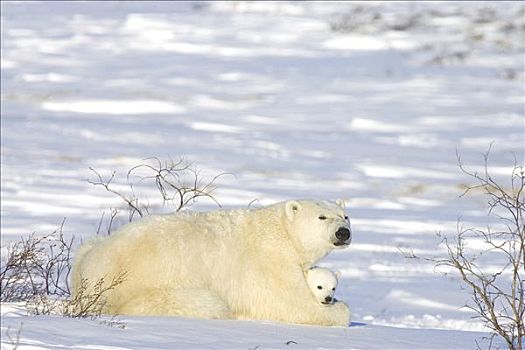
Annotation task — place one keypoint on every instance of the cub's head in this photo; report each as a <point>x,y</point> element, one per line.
<point>322,283</point>
<point>318,227</point>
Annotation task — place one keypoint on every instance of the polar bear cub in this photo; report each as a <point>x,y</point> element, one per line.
<point>322,283</point>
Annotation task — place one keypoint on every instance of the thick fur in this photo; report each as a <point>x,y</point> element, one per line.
<point>84,249</point>
<point>322,283</point>
<point>240,264</point>
<point>174,302</point>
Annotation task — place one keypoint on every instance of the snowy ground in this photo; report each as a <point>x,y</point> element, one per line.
<point>366,102</point>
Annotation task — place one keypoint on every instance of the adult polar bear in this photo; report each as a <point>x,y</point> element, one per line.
<point>240,264</point>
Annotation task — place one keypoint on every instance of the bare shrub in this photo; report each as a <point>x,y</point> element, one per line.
<point>36,265</point>
<point>493,274</point>
<point>36,270</point>
<point>497,297</point>
<point>178,183</point>
<point>88,301</point>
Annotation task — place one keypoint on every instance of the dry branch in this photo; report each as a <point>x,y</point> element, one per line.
<point>497,296</point>
<point>178,183</point>
<point>36,265</point>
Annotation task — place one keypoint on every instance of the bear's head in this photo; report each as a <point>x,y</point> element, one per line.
<point>317,227</point>
<point>322,282</point>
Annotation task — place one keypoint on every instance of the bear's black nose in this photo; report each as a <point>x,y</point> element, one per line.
<point>328,299</point>
<point>342,234</point>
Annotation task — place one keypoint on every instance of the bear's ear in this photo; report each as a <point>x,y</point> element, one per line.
<point>292,207</point>
<point>338,274</point>
<point>340,202</point>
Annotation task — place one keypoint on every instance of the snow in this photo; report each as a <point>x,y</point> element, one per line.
<point>163,333</point>
<point>272,94</point>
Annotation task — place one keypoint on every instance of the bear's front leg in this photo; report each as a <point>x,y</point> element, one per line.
<point>341,313</point>
<point>289,301</point>
<point>337,314</point>
<point>309,311</point>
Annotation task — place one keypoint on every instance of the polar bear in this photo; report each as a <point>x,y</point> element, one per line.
<point>322,283</point>
<point>238,264</point>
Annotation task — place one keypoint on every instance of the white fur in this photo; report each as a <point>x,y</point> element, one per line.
<point>241,264</point>
<point>322,283</point>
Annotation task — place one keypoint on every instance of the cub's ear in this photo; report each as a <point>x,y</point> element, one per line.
<point>340,202</point>
<point>338,274</point>
<point>292,207</point>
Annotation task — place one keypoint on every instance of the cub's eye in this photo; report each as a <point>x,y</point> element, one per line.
<point>333,288</point>
<point>322,217</point>
<point>346,217</point>
<point>319,287</point>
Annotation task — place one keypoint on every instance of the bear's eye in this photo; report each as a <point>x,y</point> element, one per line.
<point>333,288</point>
<point>322,217</point>
<point>319,287</point>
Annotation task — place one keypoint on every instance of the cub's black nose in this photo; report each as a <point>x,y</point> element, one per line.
<point>343,234</point>
<point>328,299</point>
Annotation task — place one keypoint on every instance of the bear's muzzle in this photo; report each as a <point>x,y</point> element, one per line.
<point>327,300</point>
<point>343,236</point>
